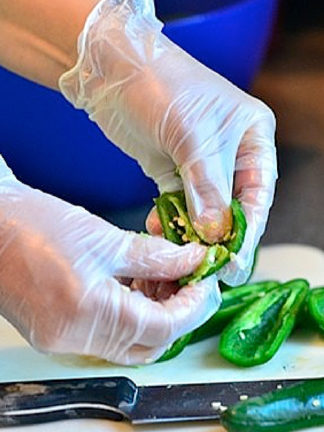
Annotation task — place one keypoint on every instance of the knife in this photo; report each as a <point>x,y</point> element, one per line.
<point>119,399</point>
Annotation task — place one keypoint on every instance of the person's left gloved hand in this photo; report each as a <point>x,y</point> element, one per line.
<point>167,110</point>
<point>65,276</point>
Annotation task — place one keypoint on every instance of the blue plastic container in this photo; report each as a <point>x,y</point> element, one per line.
<point>51,146</point>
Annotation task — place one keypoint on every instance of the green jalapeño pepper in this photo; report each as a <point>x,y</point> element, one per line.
<point>296,407</point>
<point>255,335</point>
<point>315,306</point>
<point>176,226</point>
<point>233,302</point>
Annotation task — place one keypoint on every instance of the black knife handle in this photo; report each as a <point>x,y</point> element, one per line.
<point>31,402</point>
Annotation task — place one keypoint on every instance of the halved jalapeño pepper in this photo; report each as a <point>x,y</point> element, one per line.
<point>255,335</point>
<point>176,226</point>
<point>315,306</point>
<point>296,407</point>
<point>233,302</point>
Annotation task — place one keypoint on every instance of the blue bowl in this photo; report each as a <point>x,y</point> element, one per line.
<point>54,147</point>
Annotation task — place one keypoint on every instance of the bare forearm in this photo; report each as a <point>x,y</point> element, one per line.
<point>38,39</point>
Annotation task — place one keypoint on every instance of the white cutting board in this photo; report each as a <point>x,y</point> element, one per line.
<point>301,356</point>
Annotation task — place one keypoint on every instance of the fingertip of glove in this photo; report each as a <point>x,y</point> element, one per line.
<point>202,300</point>
<point>140,355</point>
<point>213,225</point>
<point>205,292</point>
<point>182,260</point>
<point>153,224</point>
<point>236,272</point>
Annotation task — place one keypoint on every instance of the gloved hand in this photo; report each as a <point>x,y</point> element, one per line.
<point>61,280</point>
<point>167,110</point>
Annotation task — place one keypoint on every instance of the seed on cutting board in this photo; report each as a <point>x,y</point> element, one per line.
<point>217,406</point>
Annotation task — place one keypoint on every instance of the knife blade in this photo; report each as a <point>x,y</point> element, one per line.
<point>120,399</point>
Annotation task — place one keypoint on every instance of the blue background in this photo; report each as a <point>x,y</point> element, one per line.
<point>54,147</point>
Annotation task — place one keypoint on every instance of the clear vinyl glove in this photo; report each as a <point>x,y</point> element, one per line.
<point>168,111</point>
<point>63,274</point>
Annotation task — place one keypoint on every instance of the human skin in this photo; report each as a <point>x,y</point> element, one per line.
<point>39,42</point>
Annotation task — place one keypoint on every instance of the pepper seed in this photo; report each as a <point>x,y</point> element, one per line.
<point>181,222</point>
<point>227,237</point>
<point>185,238</point>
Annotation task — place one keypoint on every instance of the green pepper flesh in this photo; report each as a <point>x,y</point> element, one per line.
<point>239,228</point>
<point>255,335</point>
<point>172,205</point>
<point>176,348</point>
<point>289,409</point>
<point>315,305</point>
<point>233,302</point>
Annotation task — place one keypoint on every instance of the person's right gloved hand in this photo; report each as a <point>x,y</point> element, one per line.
<point>174,115</point>
<point>61,280</point>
